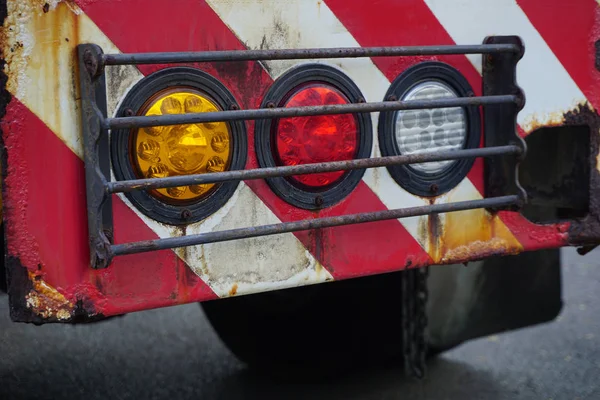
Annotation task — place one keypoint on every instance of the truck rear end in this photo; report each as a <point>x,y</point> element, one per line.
<point>160,153</point>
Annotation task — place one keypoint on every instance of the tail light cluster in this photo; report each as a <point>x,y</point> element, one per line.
<point>163,151</point>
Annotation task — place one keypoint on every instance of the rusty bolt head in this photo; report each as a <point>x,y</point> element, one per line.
<point>186,214</point>
<point>433,188</point>
<point>270,105</point>
<point>318,201</point>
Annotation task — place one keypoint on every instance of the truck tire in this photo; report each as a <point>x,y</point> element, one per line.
<point>330,328</point>
<point>325,329</point>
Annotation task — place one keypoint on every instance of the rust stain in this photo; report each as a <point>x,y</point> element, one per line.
<point>233,290</point>
<point>478,250</point>
<point>473,234</point>
<point>558,118</point>
<point>46,301</point>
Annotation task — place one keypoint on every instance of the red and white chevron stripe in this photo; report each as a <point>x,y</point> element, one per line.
<point>45,204</point>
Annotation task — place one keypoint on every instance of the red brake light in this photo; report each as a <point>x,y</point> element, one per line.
<point>323,138</point>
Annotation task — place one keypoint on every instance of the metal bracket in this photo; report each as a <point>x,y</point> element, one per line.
<point>500,120</point>
<point>96,147</point>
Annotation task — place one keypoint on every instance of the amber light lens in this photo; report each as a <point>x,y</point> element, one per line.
<point>324,138</point>
<point>163,151</point>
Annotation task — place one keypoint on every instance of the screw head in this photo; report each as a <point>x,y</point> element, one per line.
<point>186,214</point>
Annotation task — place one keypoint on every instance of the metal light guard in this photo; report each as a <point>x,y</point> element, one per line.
<point>502,100</point>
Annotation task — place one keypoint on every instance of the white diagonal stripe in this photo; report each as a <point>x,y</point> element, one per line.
<point>548,87</point>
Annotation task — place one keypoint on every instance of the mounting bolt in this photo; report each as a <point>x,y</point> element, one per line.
<point>91,63</point>
<point>128,112</point>
<point>392,97</point>
<point>433,188</point>
<point>186,214</point>
<point>109,235</point>
<point>234,107</point>
<point>318,201</point>
<point>360,100</point>
<point>270,105</point>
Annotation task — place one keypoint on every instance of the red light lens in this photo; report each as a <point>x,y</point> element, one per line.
<point>323,138</point>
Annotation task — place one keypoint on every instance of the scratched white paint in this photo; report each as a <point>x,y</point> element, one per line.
<point>41,69</point>
<point>278,24</point>
<point>254,265</point>
<point>549,89</point>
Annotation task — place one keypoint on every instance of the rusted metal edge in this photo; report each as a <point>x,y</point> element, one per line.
<point>303,225</point>
<point>275,172</point>
<point>300,54</point>
<point>586,231</point>
<point>5,98</point>
<point>34,301</point>
<point>269,113</point>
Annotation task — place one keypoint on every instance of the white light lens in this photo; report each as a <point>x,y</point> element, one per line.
<point>431,130</point>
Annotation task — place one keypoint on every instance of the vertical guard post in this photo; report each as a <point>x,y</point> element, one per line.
<point>500,120</point>
<point>96,148</point>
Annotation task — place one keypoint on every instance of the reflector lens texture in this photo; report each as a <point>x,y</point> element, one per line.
<point>430,130</point>
<point>323,138</point>
<point>181,149</point>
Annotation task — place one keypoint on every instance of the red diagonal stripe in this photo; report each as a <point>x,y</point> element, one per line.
<point>48,228</point>
<point>411,22</point>
<point>570,28</point>
<point>138,26</point>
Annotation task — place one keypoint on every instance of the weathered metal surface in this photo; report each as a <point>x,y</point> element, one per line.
<point>586,231</point>
<point>96,155</point>
<point>317,223</point>
<point>500,77</point>
<point>262,173</point>
<point>301,54</point>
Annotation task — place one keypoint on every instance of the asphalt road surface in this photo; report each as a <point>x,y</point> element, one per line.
<point>174,353</point>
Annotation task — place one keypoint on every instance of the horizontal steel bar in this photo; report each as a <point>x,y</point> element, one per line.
<point>267,113</point>
<point>317,223</point>
<point>274,172</point>
<point>295,54</point>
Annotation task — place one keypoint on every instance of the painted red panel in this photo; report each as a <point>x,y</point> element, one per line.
<point>50,236</point>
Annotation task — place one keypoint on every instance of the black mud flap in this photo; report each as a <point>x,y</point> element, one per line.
<point>492,296</point>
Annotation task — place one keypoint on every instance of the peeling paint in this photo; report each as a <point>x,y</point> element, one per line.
<point>46,301</point>
<point>40,52</point>
<point>534,121</point>
<point>479,249</point>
